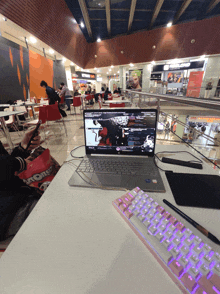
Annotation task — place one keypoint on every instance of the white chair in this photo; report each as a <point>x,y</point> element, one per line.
<point>11,121</point>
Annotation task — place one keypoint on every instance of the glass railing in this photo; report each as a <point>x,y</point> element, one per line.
<point>183,123</point>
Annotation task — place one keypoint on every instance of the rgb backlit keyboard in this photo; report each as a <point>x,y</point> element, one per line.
<point>191,263</point>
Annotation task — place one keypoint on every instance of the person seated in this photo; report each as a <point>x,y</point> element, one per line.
<point>107,92</point>
<point>14,193</point>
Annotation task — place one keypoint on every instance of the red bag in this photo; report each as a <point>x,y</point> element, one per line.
<point>41,170</point>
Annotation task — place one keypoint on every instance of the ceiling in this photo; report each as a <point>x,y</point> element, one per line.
<point>109,18</point>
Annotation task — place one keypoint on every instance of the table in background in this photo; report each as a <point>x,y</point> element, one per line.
<point>74,241</point>
<point>116,101</point>
<point>3,114</point>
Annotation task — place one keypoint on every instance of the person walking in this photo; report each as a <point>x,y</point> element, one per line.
<point>51,93</point>
<point>66,93</point>
<point>167,131</point>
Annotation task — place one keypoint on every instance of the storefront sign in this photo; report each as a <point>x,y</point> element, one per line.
<point>207,119</point>
<point>84,75</point>
<point>155,77</point>
<point>175,66</point>
<point>195,83</point>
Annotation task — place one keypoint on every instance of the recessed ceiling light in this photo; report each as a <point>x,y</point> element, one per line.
<point>112,66</point>
<point>95,68</point>
<point>114,74</point>
<point>107,73</point>
<point>51,51</point>
<point>82,24</point>
<point>118,71</point>
<point>95,56</point>
<point>33,40</point>
<point>202,57</point>
<point>74,21</point>
<point>122,52</point>
<point>110,69</point>
<point>131,64</point>
<point>98,70</point>
<point>71,63</point>
<point>169,24</point>
<point>99,40</point>
<point>64,59</point>
<point>153,62</point>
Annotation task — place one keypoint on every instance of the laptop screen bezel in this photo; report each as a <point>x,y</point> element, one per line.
<point>90,152</point>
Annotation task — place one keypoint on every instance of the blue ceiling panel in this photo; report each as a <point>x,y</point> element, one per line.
<point>143,4</point>
<point>172,5</point>
<point>142,15</point>
<point>120,3</point>
<point>119,14</point>
<point>97,14</point>
<point>118,28</point>
<point>163,18</point>
<point>140,25</point>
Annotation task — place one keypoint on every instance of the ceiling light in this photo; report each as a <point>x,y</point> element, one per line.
<point>95,56</point>
<point>82,24</point>
<point>98,70</point>
<point>169,24</point>
<point>74,21</point>
<point>33,40</point>
<point>99,40</point>
<point>110,69</point>
<point>51,51</point>
<point>118,71</point>
<point>107,73</point>
<point>5,18</point>
<point>114,74</point>
<point>153,62</point>
<point>202,57</point>
<point>95,68</point>
<point>112,66</point>
<point>71,63</point>
<point>64,59</point>
<point>131,64</point>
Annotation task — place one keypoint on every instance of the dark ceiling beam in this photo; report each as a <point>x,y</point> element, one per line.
<point>85,14</point>
<point>212,4</point>
<point>108,16</point>
<point>156,11</point>
<point>131,15</point>
<point>182,10</point>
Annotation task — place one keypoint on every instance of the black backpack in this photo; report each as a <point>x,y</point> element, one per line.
<point>56,97</point>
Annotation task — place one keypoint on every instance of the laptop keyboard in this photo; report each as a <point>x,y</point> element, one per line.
<point>116,167</point>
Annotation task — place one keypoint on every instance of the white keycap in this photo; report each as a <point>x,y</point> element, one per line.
<point>204,270</point>
<point>188,242</point>
<point>141,217</point>
<point>154,204</point>
<point>172,228</point>
<point>175,252</point>
<point>152,229</point>
<point>144,211</point>
<point>142,202</point>
<point>139,197</point>
<point>197,240</point>
<point>152,211</point>
<point>167,244</point>
<point>194,259</point>
<point>207,259</point>
<point>132,207</point>
<point>207,248</point>
<point>193,272</point>
<point>168,234</point>
<point>139,206</point>
<point>197,250</point>
<point>145,196</point>
<point>165,222</point>
<point>147,223</point>
<point>135,201</point>
<point>179,235</point>
<point>176,241</point>
<point>187,233</point>
<point>149,216</point>
<point>216,269</point>
<point>183,261</point>
<point>136,212</point>
<point>148,206</point>
<point>150,200</point>
<point>155,222</point>
<point>159,216</point>
<point>159,236</point>
<point>216,256</point>
<point>184,250</point>
<point>162,228</point>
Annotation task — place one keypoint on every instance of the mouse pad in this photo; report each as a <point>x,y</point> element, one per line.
<point>195,190</point>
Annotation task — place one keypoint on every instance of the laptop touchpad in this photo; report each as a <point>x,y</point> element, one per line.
<point>108,180</point>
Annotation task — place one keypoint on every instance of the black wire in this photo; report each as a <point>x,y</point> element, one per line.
<point>156,163</point>
<point>74,150</point>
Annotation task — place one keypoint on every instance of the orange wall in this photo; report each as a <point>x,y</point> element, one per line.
<point>173,42</point>
<point>40,68</point>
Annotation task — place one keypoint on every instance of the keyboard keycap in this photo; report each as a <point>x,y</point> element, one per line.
<point>188,233</point>
<point>128,213</point>
<point>180,235</point>
<point>141,217</point>
<point>160,209</point>
<point>183,261</point>
<point>126,200</point>
<point>166,243</point>
<point>194,259</point>
<point>215,280</point>
<point>216,269</point>
<point>176,268</point>
<point>175,252</point>
<point>180,227</point>
<point>207,248</point>
<point>153,229</point>
<point>147,223</point>
<point>173,220</point>
<point>206,285</point>
<point>204,270</point>
<point>189,282</point>
<point>167,215</point>
<point>118,201</point>
<point>193,271</point>
<point>159,236</point>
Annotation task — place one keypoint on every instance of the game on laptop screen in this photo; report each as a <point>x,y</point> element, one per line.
<point>120,131</point>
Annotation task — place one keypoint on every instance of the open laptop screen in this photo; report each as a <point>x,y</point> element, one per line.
<point>120,131</point>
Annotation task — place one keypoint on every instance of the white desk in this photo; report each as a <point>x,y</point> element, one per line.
<point>3,114</point>
<point>116,101</point>
<point>75,242</point>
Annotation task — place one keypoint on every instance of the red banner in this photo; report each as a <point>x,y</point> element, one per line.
<point>195,83</point>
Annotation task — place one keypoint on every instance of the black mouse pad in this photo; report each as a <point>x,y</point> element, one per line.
<point>195,189</point>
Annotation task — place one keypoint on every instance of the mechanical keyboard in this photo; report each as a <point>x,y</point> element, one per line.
<point>193,265</point>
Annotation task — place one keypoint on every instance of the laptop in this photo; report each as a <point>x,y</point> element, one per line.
<point>120,146</point>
